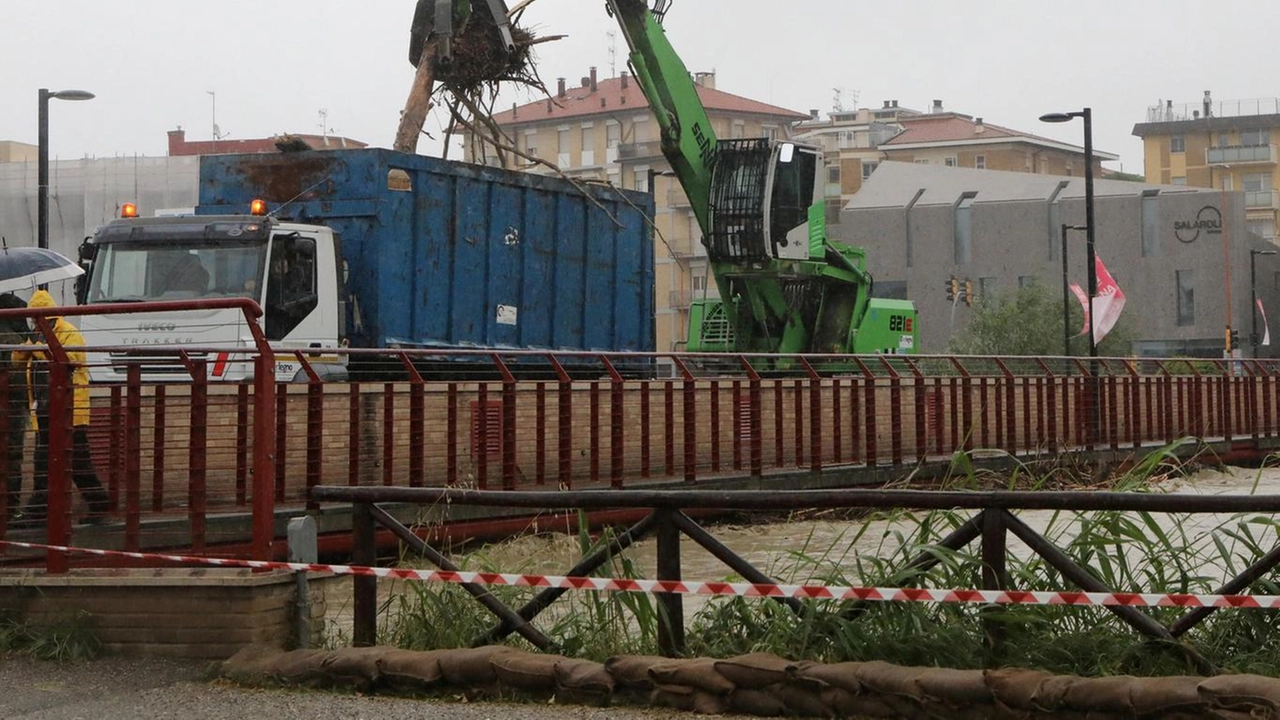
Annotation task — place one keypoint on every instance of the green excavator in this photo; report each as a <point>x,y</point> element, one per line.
<point>784,287</point>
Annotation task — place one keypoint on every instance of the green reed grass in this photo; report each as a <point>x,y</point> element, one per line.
<point>1125,551</point>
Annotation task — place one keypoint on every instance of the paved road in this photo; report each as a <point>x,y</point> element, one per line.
<point>154,689</point>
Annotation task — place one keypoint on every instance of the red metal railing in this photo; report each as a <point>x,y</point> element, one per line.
<point>206,465</point>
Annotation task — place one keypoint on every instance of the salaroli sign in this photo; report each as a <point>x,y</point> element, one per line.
<point>1207,222</point>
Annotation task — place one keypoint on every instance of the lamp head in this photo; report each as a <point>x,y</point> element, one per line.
<point>72,95</point>
<point>1058,117</point>
<point>1263,252</point>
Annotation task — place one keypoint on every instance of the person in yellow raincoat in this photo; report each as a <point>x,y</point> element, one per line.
<point>82,472</point>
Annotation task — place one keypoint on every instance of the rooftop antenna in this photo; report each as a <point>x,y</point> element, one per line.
<point>613,53</point>
<point>213,118</point>
<point>837,102</point>
<point>324,123</point>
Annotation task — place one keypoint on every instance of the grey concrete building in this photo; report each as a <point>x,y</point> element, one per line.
<point>1180,254</point>
<point>84,194</point>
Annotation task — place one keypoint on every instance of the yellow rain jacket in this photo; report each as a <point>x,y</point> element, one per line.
<point>68,336</point>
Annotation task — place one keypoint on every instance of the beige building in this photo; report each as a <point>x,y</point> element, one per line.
<point>603,130</point>
<point>1225,145</point>
<point>856,142</point>
<point>11,151</point>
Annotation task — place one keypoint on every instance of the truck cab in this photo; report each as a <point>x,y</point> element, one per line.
<point>291,270</point>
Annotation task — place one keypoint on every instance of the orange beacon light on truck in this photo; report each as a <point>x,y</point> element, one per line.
<point>258,207</point>
<point>128,210</point>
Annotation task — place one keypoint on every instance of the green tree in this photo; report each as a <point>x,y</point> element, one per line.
<point>1028,321</point>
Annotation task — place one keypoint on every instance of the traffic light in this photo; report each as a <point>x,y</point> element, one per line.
<point>1233,339</point>
<point>968,293</point>
<point>953,288</point>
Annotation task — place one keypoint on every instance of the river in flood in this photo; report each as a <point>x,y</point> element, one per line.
<point>801,551</point>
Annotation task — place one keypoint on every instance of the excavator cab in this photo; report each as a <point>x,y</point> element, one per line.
<point>762,193</point>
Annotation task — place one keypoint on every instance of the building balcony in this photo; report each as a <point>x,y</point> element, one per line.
<point>1262,200</point>
<point>679,299</point>
<point>639,150</point>
<point>1241,155</point>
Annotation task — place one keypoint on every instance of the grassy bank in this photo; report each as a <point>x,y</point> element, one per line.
<point>1126,551</point>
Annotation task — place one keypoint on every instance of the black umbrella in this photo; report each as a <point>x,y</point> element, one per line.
<point>23,268</point>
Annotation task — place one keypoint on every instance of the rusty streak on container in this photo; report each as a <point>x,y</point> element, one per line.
<point>133,458</point>
<point>197,450</point>
<point>157,449</point>
<point>242,444</point>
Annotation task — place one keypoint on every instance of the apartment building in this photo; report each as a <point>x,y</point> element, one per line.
<point>603,130</point>
<point>856,142</point>
<point>1228,146</point>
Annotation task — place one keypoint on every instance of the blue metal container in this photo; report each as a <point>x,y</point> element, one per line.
<point>445,254</point>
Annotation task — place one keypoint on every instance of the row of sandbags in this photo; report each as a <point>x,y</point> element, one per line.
<point>766,685</point>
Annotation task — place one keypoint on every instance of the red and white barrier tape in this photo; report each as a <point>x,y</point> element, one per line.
<point>694,587</point>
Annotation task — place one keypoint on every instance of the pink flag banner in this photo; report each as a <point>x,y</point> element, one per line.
<point>1109,303</point>
<point>1084,304</point>
<point>1266,329</point>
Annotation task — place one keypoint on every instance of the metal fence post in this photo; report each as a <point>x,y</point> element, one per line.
<point>995,576</point>
<point>302,549</point>
<point>670,605</point>
<point>364,631</point>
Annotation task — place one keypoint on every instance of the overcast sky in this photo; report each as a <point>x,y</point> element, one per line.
<point>274,64</point>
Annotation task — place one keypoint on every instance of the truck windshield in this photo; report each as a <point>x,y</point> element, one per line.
<point>158,270</point>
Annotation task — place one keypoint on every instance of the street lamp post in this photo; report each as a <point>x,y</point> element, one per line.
<point>1091,255</point>
<point>42,162</point>
<point>1253,295</point>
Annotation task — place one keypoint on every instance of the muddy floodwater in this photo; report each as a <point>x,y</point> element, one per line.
<point>787,551</point>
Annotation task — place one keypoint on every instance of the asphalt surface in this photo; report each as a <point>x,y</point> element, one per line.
<point>148,689</point>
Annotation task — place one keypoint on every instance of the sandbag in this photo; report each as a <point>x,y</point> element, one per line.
<point>803,700</point>
<point>632,671</point>
<point>838,675</point>
<point>353,667</point>
<point>1050,694</point>
<point>249,664</point>
<point>954,687</point>
<point>689,699</point>
<point>1104,694</point>
<point>1163,696</point>
<point>697,673</point>
<point>1015,687</point>
<point>894,684</point>
<point>1240,692</point>
<point>583,681</point>
<point>761,703</point>
<point>531,672</point>
<point>299,667</point>
<point>410,670</point>
<point>848,704</point>
<point>470,667</point>
<point>755,670</point>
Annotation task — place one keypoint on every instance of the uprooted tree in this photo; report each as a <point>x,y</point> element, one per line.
<point>463,50</point>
